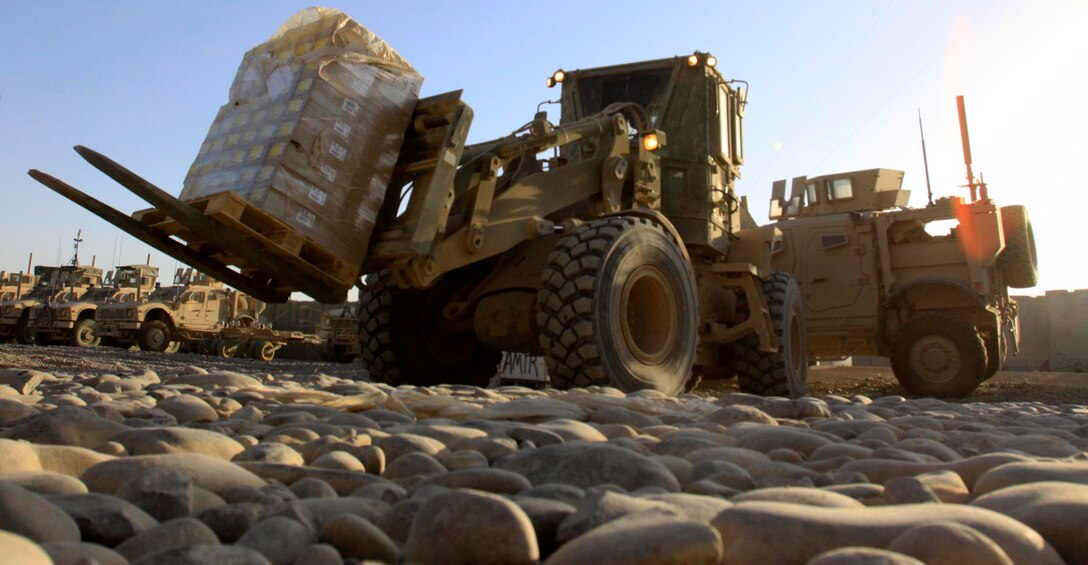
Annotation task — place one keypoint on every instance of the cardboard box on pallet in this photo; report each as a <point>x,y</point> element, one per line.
<point>312,130</point>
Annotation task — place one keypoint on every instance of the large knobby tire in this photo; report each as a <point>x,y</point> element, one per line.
<point>24,332</point>
<point>154,335</point>
<point>1018,261</point>
<point>406,339</point>
<point>784,372</point>
<point>618,307</point>
<point>939,355</point>
<point>83,334</point>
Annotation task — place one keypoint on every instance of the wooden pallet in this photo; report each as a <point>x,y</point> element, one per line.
<point>240,216</point>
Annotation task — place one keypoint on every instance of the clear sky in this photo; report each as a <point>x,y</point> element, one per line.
<point>835,86</point>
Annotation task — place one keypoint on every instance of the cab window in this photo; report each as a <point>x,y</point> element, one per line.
<point>840,189</point>
<point>810,191</point>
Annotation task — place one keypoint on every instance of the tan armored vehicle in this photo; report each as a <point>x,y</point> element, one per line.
<point>194,307</point>
<point>926,287</point>
<point>339,334</point>
<point>610,243</point>
<point>14,285</point>
<point>72,320</point>
<point>55,284</point>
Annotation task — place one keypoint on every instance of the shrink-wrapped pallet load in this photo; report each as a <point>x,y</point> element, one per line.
<point>311,133</point>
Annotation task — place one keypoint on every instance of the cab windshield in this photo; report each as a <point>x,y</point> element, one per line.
<point>645,88</point>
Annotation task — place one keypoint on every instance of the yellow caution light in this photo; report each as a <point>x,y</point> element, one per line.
<point>711,61</point>
<point>693,60</point>
<point>650,142</point>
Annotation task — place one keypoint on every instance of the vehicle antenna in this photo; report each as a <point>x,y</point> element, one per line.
<point>977,187</point>
<point>925,158</point>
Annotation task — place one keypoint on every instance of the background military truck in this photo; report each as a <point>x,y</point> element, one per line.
<point>72,320</point>
<point>55,284</point>
<point>619,255</point>
<point>339,334</point>
<point>194,307</point>
<point>14,285</point>
<point>925,287</point>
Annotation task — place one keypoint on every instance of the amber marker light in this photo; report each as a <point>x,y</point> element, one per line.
<point>693,60</point>
<point>650,142</point>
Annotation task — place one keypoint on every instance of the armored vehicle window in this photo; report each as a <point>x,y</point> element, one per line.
<point>98,294</point>
<point>725,131</point>
<point>832,241</point>
<point>811,190</point>
<point>644,88</point>
<point>197,297</point>
<point>840,189</point>
<point>127,297</point>
<point>794,207</point>
<point>164,293</point>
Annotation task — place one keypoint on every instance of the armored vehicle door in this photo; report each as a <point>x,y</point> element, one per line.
<point>217,307</point>
<point>191,312</point>
<point>839,269</point>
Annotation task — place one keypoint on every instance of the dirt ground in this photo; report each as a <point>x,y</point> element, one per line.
<point>1007,386</point>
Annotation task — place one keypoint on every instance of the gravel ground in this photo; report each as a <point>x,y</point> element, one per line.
<point>111,456</point>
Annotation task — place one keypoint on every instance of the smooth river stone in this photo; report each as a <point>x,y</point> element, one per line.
<point>495,481</point>
<point>180,532</point>
<point>343,482</point>
<point>1057,510</point>
<point>729,415</point>
<point>153,441</point>
<point>68,425</point>
<point>45,482</point>
<point>586,465</point>
<point>206,472</point>
<point>18,456</point>
<point>644,540</point>
<point>949,543</point>
<point>1031,472</point>
<point>81,553</point>
<point>102,519</point>
<point>533,409</point>
<point>357,538</point>
<point>68,460</point>
<point>18,549</point>
<point>278,539</point>
<point>472,528</point>
<point>799,495</point>
<point>271,452</point>
<point>970,469</point>
<point>753,532</point>
<point>862,556</point>
<point>601,507</point>
<point>766,438</point>
<point>30,515</point>
<point>224,379</point>
<point>188,408</point>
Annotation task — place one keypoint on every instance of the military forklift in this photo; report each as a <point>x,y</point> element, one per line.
<point>611,243</point>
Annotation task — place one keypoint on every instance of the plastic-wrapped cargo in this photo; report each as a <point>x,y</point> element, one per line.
<point>311,133</point>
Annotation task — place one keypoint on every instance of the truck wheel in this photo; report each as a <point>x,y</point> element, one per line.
<point>24,332</point>
<point>939,355</point>
<point>618,307</point>
<point>263,350</point>
<point>83,334</point>
<point>1018,261</point>
<point>154,335</point>
<point>406,339</point>
<point>225,348</point>
<point>785,372</point>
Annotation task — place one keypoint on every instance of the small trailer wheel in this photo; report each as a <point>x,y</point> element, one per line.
<point>263,350</point>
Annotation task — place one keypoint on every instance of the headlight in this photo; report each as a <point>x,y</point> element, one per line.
<point>693,60</point>
<point>130,313</point>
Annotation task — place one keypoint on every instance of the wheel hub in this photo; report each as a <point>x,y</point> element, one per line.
<point>648,315</point>
<point>936,358</point>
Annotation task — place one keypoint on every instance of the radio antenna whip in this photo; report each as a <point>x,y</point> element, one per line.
<point>925,158</point>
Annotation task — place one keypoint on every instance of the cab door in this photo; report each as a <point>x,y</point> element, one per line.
<point>839,276</point>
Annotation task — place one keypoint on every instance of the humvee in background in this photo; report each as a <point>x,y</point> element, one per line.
<point>193,308</point>
<point>55,284</point>
<point>14,285</point>
<point>927,287</point>
<point>72,320</point>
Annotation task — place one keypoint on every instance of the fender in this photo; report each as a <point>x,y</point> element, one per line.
<point>962,288</point>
